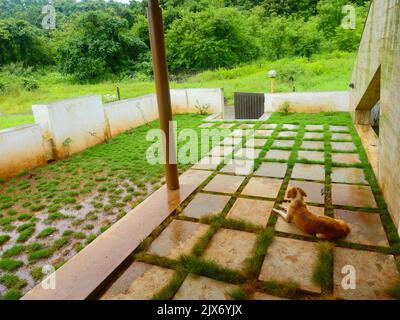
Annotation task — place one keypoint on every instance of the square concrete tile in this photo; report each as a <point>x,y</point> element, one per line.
<point>268,126</point>
<point>230,248</point>
<point>231,141</point>
<point>311,156</point>
<point>290,126</point>
<point>287,134</point>
<point>262,187</point>
<point>354,196</point>
<point>290,260</point>
<point>241,133</point>
<point>253,143</point>
<point>263,133</point>
<point>221,151</point>
<point>339,128</point>
<point>263,296</point>
<point>315,191</point>
<point>348,175</point>
<point>206,125</point>
<point>226,125</point>
<point>346,158</point>
<point>283,143</point>
<point>314,127</point>
<point>343,146</point>
<point>254,211</point>
<point>208,163</point>
<point>375,274</point>
<point>201,288</point>
<point>366,228</point>
<point>342,136</point>
<point>141,281</point>
<point>204,205</point>
<point>314,136</point>
<point>178,239</point>
<point>239,167</point>
<point>315,172</point>
<point>246,126</point>
<point>278,154</point>
<point>312,145</point>
<point>283,226</point>
<point>248,153</point>
<point>272,170</point>
<point>224,184</point>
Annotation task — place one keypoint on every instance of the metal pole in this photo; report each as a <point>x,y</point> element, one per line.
<point>157,43</point>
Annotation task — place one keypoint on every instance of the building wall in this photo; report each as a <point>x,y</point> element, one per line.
<point>377,71</point>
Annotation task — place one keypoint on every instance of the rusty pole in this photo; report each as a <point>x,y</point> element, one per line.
<point>157,43</point>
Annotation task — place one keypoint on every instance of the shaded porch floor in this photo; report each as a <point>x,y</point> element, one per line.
<point>225,242</point>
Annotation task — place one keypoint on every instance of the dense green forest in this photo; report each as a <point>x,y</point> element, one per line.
<point>96,40</point>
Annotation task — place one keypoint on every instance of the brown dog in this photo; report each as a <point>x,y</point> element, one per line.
<point>321,227</point>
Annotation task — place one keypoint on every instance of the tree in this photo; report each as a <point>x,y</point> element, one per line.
<point>212,38</point>
<point>22,42</point>
<point>99,44</point>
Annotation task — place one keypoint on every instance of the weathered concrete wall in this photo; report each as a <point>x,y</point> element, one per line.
<point>21,148</point>
<point>192,100</point>
<point>308,101</point>
<point>69,126</point>
<point>73,125</point>
<point>377,74</point>
<point>127,114</point>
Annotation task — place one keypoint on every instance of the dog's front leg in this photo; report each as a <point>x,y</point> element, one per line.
<point>284,215</point>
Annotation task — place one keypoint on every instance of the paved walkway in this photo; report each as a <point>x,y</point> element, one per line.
<point>242,192</point>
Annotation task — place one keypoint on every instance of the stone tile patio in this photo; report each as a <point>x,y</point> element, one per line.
<point>290,260</point>
<point>202,288</point>
<point>178,239</point>
<point>204,205</point>
<point>346,158</point>
<point>375,273</point>
<point>272,170</point>
<point>292,254</point>
<point>224,184</point>
<point>230,248</point>
<point>262,187</point>
<point>256,212</point>
<point>313,172</point>
<point>278,155</point>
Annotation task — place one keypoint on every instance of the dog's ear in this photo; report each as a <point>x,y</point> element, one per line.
<point>302,192</point>
<point>292,193</point>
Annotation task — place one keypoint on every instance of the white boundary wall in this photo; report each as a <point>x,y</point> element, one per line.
<point>21,148</point>
<point>308,101</point>
<point>69,126</point>
<point>73,125</point>
<point>128,114</point>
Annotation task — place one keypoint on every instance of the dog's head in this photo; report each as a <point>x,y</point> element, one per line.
<point>294,193</point>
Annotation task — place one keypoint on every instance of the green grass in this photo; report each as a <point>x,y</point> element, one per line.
<point>323,270</point>
<point>10,264</point>
<point>13,251</point>
<point>13,294</point>
<point>12,281</point>
<point>46,232</point>
<point>320,73</point>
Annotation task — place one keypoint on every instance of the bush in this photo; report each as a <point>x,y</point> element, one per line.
<point>30,84</point>
<point>212,38</point>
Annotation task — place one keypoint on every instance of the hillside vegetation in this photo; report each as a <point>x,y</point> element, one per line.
<point>98,45</point>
